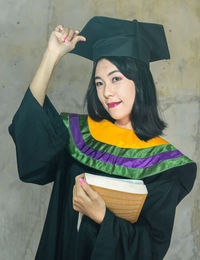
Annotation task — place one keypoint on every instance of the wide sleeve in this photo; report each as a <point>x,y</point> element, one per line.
<point>150,237</point>
<point>40,138</point>
<point>186,176</point>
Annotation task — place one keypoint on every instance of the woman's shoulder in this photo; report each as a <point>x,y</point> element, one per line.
<point>187,164</point>
<point>185,169</point>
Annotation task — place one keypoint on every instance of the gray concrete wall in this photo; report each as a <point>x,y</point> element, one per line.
<point>25,27</point>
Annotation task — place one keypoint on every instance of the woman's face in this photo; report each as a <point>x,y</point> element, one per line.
<point>115,91</point>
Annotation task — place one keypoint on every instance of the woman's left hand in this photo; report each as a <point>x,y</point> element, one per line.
<point>88,201</point>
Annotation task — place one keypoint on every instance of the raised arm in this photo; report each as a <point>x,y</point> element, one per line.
<point>37,129</point>
<point>62,41</point>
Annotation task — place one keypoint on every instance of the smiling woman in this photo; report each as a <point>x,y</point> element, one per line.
<point>131,84</point>
<point>117,97</point>
<point>120,137</point>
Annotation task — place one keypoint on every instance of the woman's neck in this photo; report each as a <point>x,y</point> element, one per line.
<point>126,125</point>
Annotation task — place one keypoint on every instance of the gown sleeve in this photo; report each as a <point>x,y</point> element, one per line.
<point>148,238</point>
<point>40,138</point>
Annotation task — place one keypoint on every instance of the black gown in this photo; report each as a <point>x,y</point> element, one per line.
<point>41,138</point>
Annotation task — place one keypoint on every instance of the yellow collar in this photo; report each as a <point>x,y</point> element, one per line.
<point>107,132</point>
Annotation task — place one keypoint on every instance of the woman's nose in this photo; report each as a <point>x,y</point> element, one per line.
<point>108,91</point>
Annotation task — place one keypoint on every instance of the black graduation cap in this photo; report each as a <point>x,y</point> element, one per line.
<point>107,36</point>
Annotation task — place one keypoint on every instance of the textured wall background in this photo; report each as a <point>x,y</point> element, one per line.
<point>25,27</point>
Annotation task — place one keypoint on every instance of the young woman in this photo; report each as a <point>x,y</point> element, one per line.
<point>120,137</point>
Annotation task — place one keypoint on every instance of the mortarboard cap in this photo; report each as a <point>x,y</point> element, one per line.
<point>108,36</point>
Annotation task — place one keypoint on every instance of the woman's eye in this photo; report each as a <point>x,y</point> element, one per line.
<point>97,83</point>
<point>118,78</point>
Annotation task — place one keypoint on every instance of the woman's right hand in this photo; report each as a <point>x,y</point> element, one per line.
<point>63,40</point>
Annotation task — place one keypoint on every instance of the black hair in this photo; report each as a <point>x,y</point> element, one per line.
<point>145,118</point>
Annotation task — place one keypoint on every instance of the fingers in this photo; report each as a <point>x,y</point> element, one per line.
<point>74,199</point>
<point>90,192</point>
<point>77,39</point>
<point>74,191</point>
<point>71,34</point>
<point>85,186</point>
<point>82,193</point>
<point>79,198</point>
<point>59,28</point>
<point>66,34</point>
<point>79,192</point>
<point>82,175</point>
<point>62,33</point>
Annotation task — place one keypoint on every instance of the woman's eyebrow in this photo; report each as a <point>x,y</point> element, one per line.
<point>97,77</point>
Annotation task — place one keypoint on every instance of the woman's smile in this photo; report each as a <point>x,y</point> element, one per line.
<point>113,104</point>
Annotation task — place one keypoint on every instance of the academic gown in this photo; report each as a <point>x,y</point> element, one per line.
<point>42,138</point>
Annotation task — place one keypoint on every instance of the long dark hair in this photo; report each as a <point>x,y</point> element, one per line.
<point>145,118</point>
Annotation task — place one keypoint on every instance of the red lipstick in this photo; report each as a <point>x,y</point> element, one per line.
<point>113,104</point>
